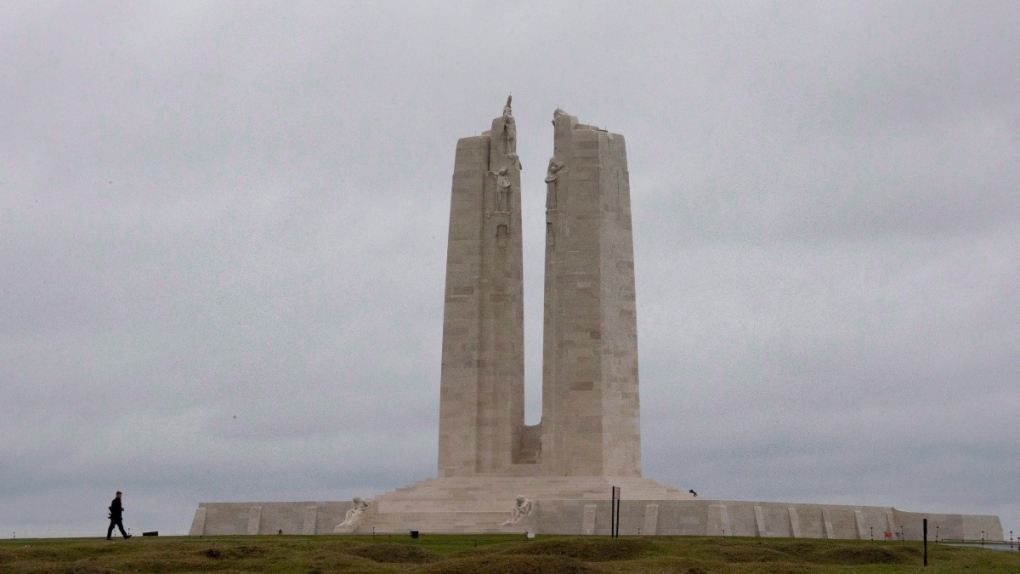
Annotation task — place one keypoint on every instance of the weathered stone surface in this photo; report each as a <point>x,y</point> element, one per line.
<point>590,406</point>
<point>481,407</point>
<point>590,401</point>
<point>560,506</point>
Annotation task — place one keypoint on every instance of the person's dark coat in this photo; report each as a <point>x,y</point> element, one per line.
<point>116,510</point>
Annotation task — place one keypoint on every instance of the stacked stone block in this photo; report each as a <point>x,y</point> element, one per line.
<point>590,410</point>
<point>478,505</point>
<point>482,382</point>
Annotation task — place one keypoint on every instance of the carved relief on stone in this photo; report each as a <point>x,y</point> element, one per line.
<point>356,513</point>
<point>550,235</point>
<point>502,190</point>
<point>551,175</point>
<point>515,161</point>
<point>509,128</point>
<point>522,507</point>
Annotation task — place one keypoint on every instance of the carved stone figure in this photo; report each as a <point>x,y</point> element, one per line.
<point>515,161</point>
<point>509,128</point>
<point>502,191</point>
<point>355,514</point>
<point>521,509</point>
<point>557,113</point>
<point>551,174</point>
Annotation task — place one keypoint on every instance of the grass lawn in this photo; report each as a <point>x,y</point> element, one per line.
<point>435,554</point>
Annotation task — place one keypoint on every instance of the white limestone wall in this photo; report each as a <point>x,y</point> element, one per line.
<point>621,427</point>
<point>554,392</point>
<point>263,518</point>
<point>586,516</point>
<point>482,379</point>
<point>590,418</point>
<point>780,520</point>
<point>462,336</point>
<point>501,366</point>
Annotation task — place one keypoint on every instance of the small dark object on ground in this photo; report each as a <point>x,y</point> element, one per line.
<point>414,534</point>
<point>151,533</point>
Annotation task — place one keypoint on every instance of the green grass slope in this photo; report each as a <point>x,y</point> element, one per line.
<point>490,554</point>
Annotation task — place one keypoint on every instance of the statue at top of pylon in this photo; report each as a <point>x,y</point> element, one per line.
<point>509,128</point>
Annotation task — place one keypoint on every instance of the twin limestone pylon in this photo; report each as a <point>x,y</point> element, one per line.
<point>495,473</point>
<point>590,420</point>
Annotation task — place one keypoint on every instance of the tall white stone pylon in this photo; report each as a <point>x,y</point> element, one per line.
<point>481,407</point>
<point>590,408</point>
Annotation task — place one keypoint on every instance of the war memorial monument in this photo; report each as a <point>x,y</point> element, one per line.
<point>497,474</point>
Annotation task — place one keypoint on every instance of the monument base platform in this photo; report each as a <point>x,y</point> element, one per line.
<point>485,504</point>
<point>580,505</point>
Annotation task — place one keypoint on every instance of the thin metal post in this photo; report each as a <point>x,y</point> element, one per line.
<point>924,528</point>
<point>612,512</point>
<point>617,517</point>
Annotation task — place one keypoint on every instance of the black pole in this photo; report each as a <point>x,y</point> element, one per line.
<point>617,517</point>
<point>924,527</point>
<point>612,512</point>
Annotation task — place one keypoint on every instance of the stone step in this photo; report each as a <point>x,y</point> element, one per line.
<point>505,490</point>
<point>442,523</point>
<point>439,506</point>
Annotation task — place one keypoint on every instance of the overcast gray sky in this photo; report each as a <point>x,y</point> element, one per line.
<point>224,238</point>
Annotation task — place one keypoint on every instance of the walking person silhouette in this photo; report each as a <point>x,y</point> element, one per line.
<point>116,518</point>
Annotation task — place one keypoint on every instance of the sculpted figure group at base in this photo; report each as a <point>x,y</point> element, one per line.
<point>356,513</point>
<point>521,509</point>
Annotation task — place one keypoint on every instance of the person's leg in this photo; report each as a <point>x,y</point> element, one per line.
<point>120,525</point>
<point>109,531</point>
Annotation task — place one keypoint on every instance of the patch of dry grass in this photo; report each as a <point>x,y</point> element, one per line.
<point>586,549</point>
<point>509,564</point>
<point>395,553</point>
<point>433,554</point>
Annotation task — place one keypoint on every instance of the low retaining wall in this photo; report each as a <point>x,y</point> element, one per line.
<point>230,518</point>
<point>637,517</point>
<point>758,519</point>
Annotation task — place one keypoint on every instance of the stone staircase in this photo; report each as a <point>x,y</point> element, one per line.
<point>448,522</point>
<point>482,504</point>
